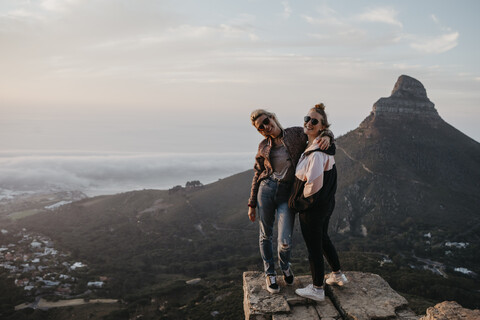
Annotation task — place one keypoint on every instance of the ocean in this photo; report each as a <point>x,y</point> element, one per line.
<point>96,173</point>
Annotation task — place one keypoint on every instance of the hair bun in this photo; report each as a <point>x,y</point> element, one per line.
<point>320,106</point>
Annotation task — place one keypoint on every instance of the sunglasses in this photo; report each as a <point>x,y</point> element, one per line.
<point>264,123</point>
<point>314,121</point>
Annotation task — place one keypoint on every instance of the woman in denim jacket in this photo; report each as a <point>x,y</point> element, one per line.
<point>275,163</point>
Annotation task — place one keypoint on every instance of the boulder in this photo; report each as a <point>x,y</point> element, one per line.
<point>450,310</point>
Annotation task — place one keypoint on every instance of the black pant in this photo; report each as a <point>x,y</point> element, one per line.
<point>314,226</point>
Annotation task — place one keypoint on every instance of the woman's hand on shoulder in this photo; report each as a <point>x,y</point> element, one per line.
<point>323,142</point>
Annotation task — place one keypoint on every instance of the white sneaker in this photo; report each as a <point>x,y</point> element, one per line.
<point>311,293</point>
<point>272,285</point>
<point>338,279</point>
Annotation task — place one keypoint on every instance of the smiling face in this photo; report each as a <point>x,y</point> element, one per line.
<point>267,126</point>
<point>314,125</point>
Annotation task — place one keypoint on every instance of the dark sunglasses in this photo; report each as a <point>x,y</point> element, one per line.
<point>308,118</point>
<point>264,123</point>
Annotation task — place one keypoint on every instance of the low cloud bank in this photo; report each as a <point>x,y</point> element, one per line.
<point>96,174</point>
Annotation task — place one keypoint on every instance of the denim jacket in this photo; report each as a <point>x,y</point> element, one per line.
<point>294,140</point>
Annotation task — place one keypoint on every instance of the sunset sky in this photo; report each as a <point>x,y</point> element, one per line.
<point>163,76</point>
<point>115,95</point>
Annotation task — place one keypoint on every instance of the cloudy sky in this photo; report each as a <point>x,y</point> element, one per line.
<point>157,76</point>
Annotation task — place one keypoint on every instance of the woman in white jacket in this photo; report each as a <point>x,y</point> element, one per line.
<point>313,197</point>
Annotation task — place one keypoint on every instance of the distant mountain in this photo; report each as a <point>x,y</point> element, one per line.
<point>406,167</point>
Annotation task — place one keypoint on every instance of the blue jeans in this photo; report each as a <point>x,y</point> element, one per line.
<point>272,200</point>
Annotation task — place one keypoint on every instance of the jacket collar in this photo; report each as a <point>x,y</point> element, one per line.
<point>270,139</point>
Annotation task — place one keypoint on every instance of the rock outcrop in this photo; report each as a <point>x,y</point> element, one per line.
<point>366,296</point>
<point>408,97</point>
<point>450,310</point>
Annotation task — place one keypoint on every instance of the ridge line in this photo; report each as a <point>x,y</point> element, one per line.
<point>353,159</point>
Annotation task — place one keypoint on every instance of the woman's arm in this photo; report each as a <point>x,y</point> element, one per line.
<point>252,201</point>
<point>258,168</point>
<point>326,139</point>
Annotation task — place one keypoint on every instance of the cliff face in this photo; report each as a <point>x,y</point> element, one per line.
<point>408,97</point>
<point>366,297</point>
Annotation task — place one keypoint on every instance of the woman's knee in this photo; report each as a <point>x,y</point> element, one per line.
<point>285,245</point>
<point>285,241</point>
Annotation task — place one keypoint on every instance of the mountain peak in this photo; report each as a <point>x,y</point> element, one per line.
<point>408,97</point>
<point>410,88</point>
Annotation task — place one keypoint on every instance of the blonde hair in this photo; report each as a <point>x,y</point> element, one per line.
<point>260,112</point>
<point>320,109</point>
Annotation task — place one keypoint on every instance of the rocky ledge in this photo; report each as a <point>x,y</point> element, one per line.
<point>366,296</point>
